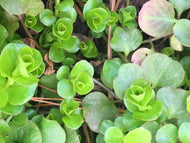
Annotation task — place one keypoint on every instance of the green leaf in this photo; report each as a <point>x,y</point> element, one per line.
<point>71,45</point>
<point>91,4</point>
<point>4,98</point>
<point>88,49</point>
<point>56,54</point>
<point>10,23</point>
<point>68,106</point>
<point>20,120</point>
<point>168,51</point>
<point>83,83</point>
<point>180,5</point>
<point>63,72</point>
<point>65,88</point>
<point>12,109</point>
<point>71,14</point>
<point>184,133</point>
<point>2,139</point>
<point>173,101</point>
<point>97,101</point>
<point>64,5</point>
<point>19,94</point>
<point>51,131</point>
<point>167,134</point>
<point>63,28</point>
<point>112,19</point>
<point>152,127</point>
<point>47,17</point>
<point>180,30</point>
<point>73,121</point>
<point>4,127</point>
<point>97,19</point>
<point>109,71</point>
<point>31,7</point>
<point>100,138</point>
<point>105,124</point>
<point>156,67</point>
<point>118,122</point>
<point>185,62</point>
<point>4,34</point>
<point>30,21</point>
<point>71,135</point>
<point>113,135</point>
<point>82,66</point>
<point>126,40</point>
<point>127,73</point>
<point>30,133</point>
<point>129,122</point>
<point>188,103</point>
<point>159,22</point>
<point>139,135</point>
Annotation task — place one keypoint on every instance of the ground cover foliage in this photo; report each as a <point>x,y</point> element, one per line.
<point>94,71</point>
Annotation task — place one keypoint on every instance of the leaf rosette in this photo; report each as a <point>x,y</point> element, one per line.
<point>30,21</point>
<point>139,99</point>
<point>63,28</point>
<point>97,19</point>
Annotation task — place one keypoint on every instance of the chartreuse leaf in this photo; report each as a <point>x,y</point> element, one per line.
<point>51,131</point>
<point>105,124</point>
<point>71,45</point>
<point>159,22</point>
<point>139,135</point>
<point>184,133</point>
<point>68,106</point>
<point>109,71</point>
<point>168,51</point>
<point>97,101</point>
<point>113,135</point>
<point>112,19</point>
<point>188,103</point>
<point>63,28</point>
<point>30,21</point>
<point>83,83</point>
<point>56,54</point>
<point>65,88</point>
<point>30,133</point>
<point>152,127</point>
<point>180,30</point>
<point>173,101</point>
<point>71,135</point>
<point>167,134</point>
<point>127,15</point>
<point>4,34</point>
<point>63,72</point>
<point>97,19</point>
<point>31,7</point>
<point>180,5</point>
<point>12,109</point>
<point>81,66</point>
<point>2,139</point>
<point>127,73</point>
<point>126,40</point>
<point>47,17</point>
<point>156,67</point>
<point>88,48</point>
<point>175,44</point>
<point>91,4</point>
<point>118,122</point>
<point>3,97</point>
<point>73,121</point>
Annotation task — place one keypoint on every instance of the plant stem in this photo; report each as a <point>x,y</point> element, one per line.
<point>148,40</point>
<point>128,2</point>
<point>107,89</point>
<point>56,11</point>
<point>78,10</point>
<point>9,118</point>
<point>28,33</point>
<point>85,130</point>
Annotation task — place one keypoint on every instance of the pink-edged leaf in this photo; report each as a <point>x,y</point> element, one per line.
<point>156,18</point>
<point>139,55</point>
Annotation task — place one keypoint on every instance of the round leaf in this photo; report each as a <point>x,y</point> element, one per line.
<point>167,134</point>
<point>184,133</point>
<point>113,135</point>
<point>181,31</point>
<point>97,107</point>
<point>12,109</point>
<point>156,18</point>
<point>126,40</point>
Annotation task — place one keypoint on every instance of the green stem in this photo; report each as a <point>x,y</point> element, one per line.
<point>56,11</point>
<point>128,2</point>
<point>9,118</point>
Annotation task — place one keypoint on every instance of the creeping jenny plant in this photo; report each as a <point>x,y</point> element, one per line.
<point>89,61</point>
